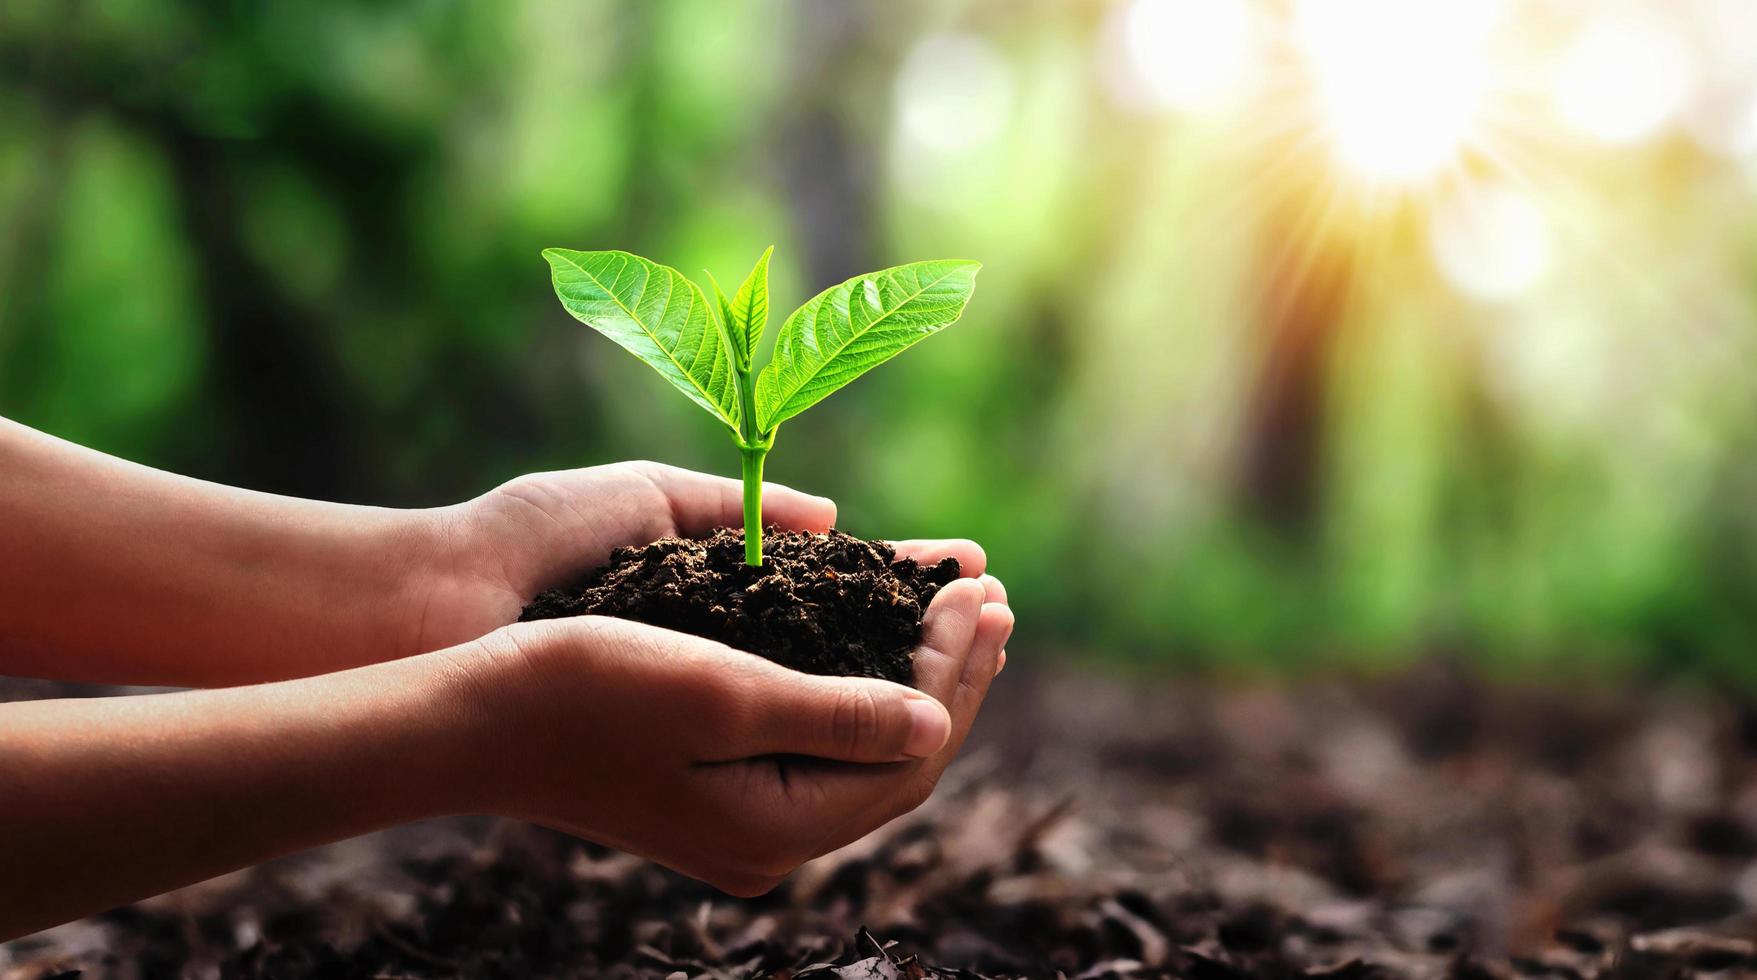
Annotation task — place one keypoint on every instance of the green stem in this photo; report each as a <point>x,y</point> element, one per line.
<point>753,503</point>
<point>753,447</point>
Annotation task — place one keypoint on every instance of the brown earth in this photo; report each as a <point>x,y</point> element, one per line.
<point>821,603</point>
<point>1430,825</point>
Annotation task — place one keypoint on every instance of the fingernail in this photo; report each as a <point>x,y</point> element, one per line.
<point>928,728</point>
<point>1000,663</point>
<point>993,590</point>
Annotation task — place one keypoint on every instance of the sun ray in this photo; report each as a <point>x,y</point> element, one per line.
<point>1369,125</point>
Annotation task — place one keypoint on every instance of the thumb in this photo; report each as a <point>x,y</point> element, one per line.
<point>853,719</point>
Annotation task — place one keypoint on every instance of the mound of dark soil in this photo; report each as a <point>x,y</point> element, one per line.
<point>821,603</point>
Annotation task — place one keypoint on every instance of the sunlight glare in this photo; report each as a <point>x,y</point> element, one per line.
<point>1400,81</point>
<point>1624,78</point>
<point>1188,54</point>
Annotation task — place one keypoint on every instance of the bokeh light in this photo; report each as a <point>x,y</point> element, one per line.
<point>953,94</point>
<point>1625,77</point>
<point>1186,54</point>
<point>1491,242</point>
<point>1723,116</point>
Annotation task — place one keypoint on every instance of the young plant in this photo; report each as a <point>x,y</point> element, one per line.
<point>706,349</point>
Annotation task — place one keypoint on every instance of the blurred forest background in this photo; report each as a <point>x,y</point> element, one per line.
<point>1324,332</point>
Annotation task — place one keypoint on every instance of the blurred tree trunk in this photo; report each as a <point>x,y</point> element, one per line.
<point>25,253</point>
<point>831,136</point>
<point>286,423</point>
<point>289,427</point>
<point>646,186</point>
<point>1305,276</point>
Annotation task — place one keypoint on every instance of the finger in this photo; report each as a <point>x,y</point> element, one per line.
<point>870,796</point>
<point>835,802</point>
<point>992,589</point>
<point>946,633</point>
<point>993,627</point>
<point>852,719</point>
<point>700,503</point>
<point>972,561</point>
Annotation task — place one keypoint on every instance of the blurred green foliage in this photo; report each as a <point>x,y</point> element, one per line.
<point>293,244</point>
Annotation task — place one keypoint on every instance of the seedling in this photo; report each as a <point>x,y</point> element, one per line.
<point>706,350</point>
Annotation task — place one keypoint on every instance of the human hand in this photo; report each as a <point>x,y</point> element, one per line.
<point>717,763</point>
<point>493,554</point>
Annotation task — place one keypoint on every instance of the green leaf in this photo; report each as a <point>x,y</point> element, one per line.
<point>750,311</point>
<point>723,303</point>
<point>849,329</point>
<point>656,314</point>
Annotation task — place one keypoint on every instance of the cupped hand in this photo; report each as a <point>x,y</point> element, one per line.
<point>496,552</point>
<point>714,762</point>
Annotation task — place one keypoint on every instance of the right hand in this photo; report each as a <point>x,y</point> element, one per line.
<point>716,763</point>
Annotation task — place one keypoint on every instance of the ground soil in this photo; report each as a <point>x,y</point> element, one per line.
<point>821,603</point>
<point>1428,825</point>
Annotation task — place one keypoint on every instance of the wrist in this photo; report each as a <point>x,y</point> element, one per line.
<point>482,692</point>
<point>436,591</point>
<point>367,574</point>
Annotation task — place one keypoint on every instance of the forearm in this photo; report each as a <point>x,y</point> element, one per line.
<point>116,572</point>
<point>113,799</point>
